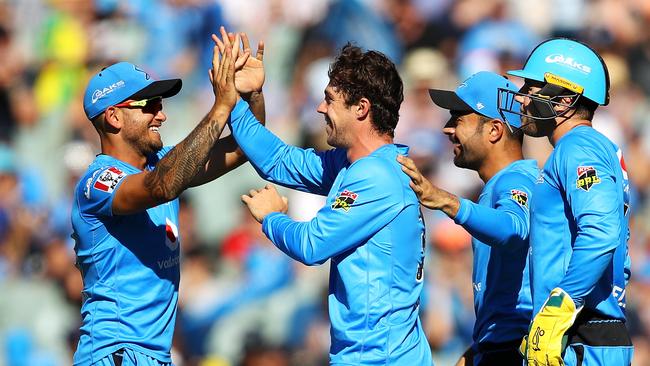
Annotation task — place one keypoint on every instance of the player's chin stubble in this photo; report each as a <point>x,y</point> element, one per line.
<point>536,128</point>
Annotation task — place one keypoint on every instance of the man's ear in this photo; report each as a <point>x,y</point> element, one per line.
<point>113,119</point>
<point>496,130</point>
<point>362,108</point>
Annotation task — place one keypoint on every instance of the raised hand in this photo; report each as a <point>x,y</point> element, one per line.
<point>250,78</point>
<point>262,202</point>
<point>249,75</point>
<point>222,75</point>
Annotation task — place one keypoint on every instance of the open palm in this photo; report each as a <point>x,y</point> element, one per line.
<point>249,71</point>
<point>250,77</point>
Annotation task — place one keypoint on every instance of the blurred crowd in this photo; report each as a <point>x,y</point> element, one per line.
<point>242,302</point>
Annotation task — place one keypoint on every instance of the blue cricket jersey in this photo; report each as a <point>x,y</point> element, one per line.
<point>579,226</point>
<point>129,265</point>
<point>499,225</point>
<point>371,229</point>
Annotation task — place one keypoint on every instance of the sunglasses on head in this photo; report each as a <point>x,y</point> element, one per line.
<point>139,103</point>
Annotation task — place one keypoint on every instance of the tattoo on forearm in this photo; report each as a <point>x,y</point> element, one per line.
<point>177,169</point>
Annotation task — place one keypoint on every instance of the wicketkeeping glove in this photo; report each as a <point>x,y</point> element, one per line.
<point>546,338</point>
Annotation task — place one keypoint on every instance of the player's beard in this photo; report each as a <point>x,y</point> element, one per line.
<point>532,122</point>
<point>468,156</point>
<point>335,134</point>
<point>535,127</point>
<point>145,142</point>
<point>466,159</point>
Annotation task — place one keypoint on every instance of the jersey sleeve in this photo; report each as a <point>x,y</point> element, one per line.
<point>277,162</point>
<point>370,196</point>
<point>509,221</point>
<point>153,159</point>
<point>100,185</point>
<point>590,188</point>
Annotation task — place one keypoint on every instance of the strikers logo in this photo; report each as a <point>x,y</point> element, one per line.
<point>587,177</point>
<point>146,76</point>
<point>345,200</point>
<point>520,197</point>
<point>108,179</point>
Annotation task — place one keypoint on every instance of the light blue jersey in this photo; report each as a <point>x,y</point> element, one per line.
<point>579,226</point>
<point>129,265</point>
<point>499,225</point>
<point>371,229</point>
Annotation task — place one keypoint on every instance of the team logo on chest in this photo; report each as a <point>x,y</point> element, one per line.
<point>171,235</point>
<point>345,200</point>
<point>587,177</point>
<point>520,197</point>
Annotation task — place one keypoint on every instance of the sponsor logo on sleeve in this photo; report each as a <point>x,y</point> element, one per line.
<point>520,197</point>
<point>587,177</point>
<point>108,180</point>
<point>345,200</point>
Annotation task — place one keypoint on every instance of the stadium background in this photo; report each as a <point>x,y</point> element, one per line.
<point>241,301</point>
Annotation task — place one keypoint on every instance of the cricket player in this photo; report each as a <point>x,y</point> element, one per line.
<point>498,223</point>
<point>579,211</point>
<point>370,228</point>
<point>125,210</point>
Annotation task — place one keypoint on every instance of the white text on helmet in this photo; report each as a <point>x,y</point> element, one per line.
<point>559,58</point>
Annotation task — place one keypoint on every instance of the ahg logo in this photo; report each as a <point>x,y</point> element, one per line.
<point>569,61</point>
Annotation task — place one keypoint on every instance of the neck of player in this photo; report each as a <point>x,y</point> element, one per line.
<point>498,159</point>
<point>563,127</point>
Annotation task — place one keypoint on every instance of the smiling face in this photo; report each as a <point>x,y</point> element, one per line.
<point>141,126</point>
<point>465,131</point>
<point>339,118</point>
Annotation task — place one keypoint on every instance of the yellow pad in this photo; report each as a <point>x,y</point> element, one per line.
<point>545,338</point>
<point>560,81</point>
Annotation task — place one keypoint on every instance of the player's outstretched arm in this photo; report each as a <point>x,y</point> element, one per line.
<point>429,195</point>
<point>249,79</point>
<point>480,221</point>
<point>183,163</point>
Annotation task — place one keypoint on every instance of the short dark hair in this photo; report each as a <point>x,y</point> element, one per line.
<point>357,74</point>
<point>585,108</point>
<point>98,122</point>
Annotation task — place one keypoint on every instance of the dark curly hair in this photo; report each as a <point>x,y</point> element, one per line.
<point>357,74</point>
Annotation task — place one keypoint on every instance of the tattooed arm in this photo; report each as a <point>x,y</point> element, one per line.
<point>249,79</point>
<point>176,170</point>
<point>226,154</point>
